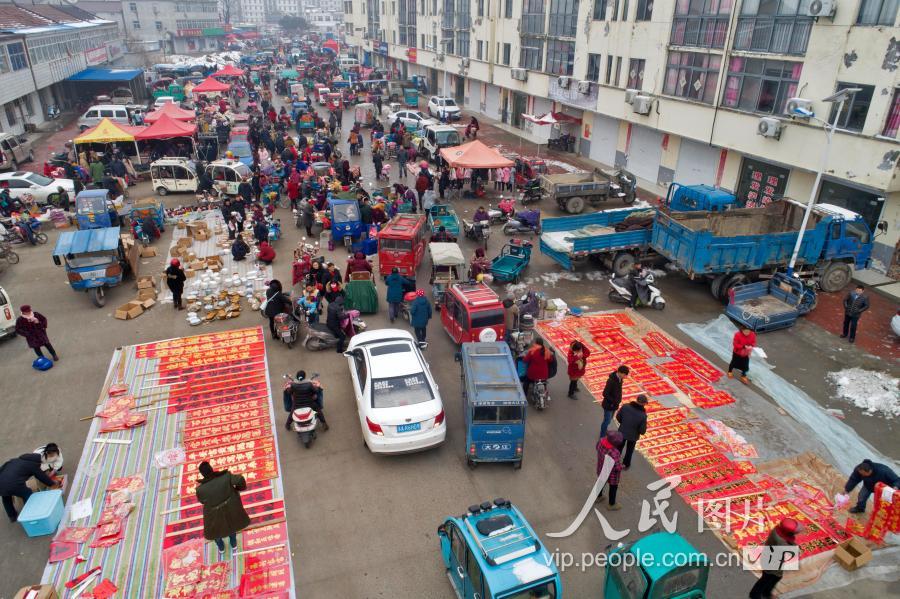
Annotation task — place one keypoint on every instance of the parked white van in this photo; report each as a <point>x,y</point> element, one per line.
<point>14,151</point>
<point>114,112</point>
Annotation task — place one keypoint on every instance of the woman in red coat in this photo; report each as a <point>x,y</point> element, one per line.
<point>266,253</point>
<point>577,358</point>
<point>742,344</point>
<point>538,359</point>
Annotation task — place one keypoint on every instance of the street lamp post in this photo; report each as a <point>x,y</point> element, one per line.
<point>840,97</point>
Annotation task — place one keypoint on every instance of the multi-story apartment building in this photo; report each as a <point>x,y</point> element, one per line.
<point>40,47</point>
<point>691,91</point>
<point>173,26</point>
<point>264,11</point>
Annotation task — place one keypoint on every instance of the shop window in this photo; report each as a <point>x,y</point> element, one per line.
<point>759,85</point>
<point>856,108</point>
<point>777,26</point>
<point>700,23</point>
<point>692,75</point>
<point>892,123</point>
<point>760,183</point>
<point>877,12</point>
<point>636,73</point>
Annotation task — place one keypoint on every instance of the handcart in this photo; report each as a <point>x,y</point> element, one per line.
<point>513,258</point>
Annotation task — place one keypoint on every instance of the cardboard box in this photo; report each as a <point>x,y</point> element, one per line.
<point>130,310</point>
<point>145,294</point>
<point>201,235</point>
<point>185,242</point>
<point>189,272</point>
<point>148,251</point>
<point>37,591</point>
<point>148,303</point>
<point>215,267</point>
<point>180,224</point>
<point>145,282</point>
<point>852,554</point>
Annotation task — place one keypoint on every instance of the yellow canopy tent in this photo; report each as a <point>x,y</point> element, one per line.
<point>107,132</point>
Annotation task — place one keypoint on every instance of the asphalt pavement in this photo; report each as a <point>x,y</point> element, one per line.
<point>364,525</point>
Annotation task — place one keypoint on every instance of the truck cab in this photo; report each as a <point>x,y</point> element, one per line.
<point>685,198</point>
<point>849,236</point>
<point>492,551</point>
<point>436,137</point>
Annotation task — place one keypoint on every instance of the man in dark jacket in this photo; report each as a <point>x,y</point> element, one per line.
<point>784,534</point>
<point>223,513</point>
<point>239,249</point>
<point>303,393</point>
<point>334,316</point>
<point>869,473</point>
<point>419,315</point>
<point>854,305</point>
<point>612,397</point>
<point>397,285</point>
<point>632,420</point>
<point>245,190</point>
<point>13,476</point>
<point>260,231</point>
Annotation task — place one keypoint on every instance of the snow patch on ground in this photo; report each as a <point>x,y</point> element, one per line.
<point>874,392</point>
<point>563,165</point>
<point>595,275</point>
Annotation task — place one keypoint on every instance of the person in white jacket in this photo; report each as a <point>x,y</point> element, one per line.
<point>51,458</point>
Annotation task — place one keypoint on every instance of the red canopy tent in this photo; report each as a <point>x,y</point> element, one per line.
<point>210,86</point>
<point>166,128</point>
<point>475,155</point>
<point>331,45</point>
<point>228,70</point>
<point>171,110</point>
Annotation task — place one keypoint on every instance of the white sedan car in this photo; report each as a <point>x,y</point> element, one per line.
<point>399,406</point>
<point>39,186</point>
<point>441,105</point>
<point>411,119</point>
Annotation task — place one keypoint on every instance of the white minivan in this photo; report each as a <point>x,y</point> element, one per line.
<point>7,316</point>
<point>114,112</point>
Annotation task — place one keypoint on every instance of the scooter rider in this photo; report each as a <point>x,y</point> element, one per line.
<point>637,279</point>
<point>301,393</point>
<point>335,316</point>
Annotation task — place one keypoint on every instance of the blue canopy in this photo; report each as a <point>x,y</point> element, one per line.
<point>106,74</point>
<point>85,242</point>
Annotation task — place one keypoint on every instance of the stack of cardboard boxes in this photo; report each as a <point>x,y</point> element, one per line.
<point>147,294</point>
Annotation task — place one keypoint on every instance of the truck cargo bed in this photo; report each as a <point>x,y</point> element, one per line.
<point>567,238</point>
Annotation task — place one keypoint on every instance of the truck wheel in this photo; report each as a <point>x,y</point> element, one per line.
<point>716,285</point>
<point>161,191</point>
<point>730,283</point>
<point>622,264</point>
<point>98,296</point>
<point>575,205</point>
<point>835,277</point>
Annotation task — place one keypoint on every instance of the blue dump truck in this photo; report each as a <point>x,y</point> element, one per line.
<point>701,232</point>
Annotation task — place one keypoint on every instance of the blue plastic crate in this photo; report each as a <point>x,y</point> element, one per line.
<point>42,513</point>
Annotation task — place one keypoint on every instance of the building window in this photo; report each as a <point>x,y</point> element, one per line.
<point>777,26</point>
<point>615,11</point>
<point>159,26</point>
<point>462,43</point>
<point>560,57</point>
<point>618,76</point>
<point>132,6</point>
<point>135,24</point>
<point>599,10</point>
<point>29,109</point>
<point>4,63</point>
<point>480,8</point>
<point>759,85</point>
<point>700,23</point>
<point>479,50</point>
<point>853,115</point>
<point>877,12</point>
<point>10,114</point>
<point>593,68</point>
<point>563,18</point>
<point>17,58</point>
<point>507,50</point>
<point>692,75</point>
<point>636,73</point>
<point>609,69</point>
<point>644,10</point>
<point>508,9</point>
<point>348,7</point>
<point>892,124</point>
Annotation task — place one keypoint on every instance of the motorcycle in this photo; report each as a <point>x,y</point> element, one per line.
<point>318,336</point>
<point>524,221</point>
<point>647,293</point>
<point>565,143</point>
<point>531,191</point>
<point>522,338</point>
<point>539,395</point>
<point>305,419</point>
<point>501,214</point>
<point>6,252</point>
<point>53,112</point>
<point>287,327</point>
<point>477,231</point>
<point>17,234</point>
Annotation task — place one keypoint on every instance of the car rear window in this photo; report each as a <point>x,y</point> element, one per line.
<point>393,348</point>
<point>399,391</point>
<point>487,414</point>
<point>486,318</point>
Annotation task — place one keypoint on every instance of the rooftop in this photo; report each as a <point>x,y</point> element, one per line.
<point>14,17</point>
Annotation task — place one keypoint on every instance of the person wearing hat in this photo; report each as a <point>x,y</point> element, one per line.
<point>419,315</point>
<point>785,533</point>
<point>175,279</point>
<point>611,445</point>
<point>223,512</point>
<point>632,419</point>
<point>397,285</point>
<point>33,327</point>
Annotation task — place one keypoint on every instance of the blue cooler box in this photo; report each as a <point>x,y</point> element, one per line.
<point>43,512</point>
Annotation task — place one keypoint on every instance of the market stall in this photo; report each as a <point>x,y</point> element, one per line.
<point>168,137</point>
<point>210,87</point>
<point>229,70</point>
<point>132,522</point>
<point>171,110</point>
<point>476,156</point>
<point>107,136</point>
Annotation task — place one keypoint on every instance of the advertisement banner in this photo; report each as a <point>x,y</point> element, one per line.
<point>95,56</point>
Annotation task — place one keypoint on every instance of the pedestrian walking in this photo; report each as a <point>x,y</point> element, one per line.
<point>855,304</point>
<point>419,315</point>
<point>402,159</point>
<point>309,217</point>
<point>610,445</point>
<point>869,473</point>
<point>612,396</point>
<point>577,359</point>
<point>397,285</point>
<point>175,279</point>
<point>378,162</point>
<point>33,327</point>
<point>783,534</point>
<point>632,419</point>
<point>223,511</point>
<point>742,345</point>
<point>14,475</point>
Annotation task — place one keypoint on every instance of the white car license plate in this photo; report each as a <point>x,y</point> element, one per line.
<point>93,274</point>
<point>407,428</point>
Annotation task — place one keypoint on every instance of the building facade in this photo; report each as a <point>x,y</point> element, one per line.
<point>173,27</point>
<point>41,46</point>
<point>687,91</point>
<point>268,11</point>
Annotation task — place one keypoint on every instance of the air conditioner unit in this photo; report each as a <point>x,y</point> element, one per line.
<point>641,104</point>
<point>439,58</point>
<point>584,87</point>
<point>799,108</point>
<point>630,94</point>
<point>519,74</point>
<point>769,127</point>
<point>563,82</point>
<point>821,8</point>
<point>464,63</point>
